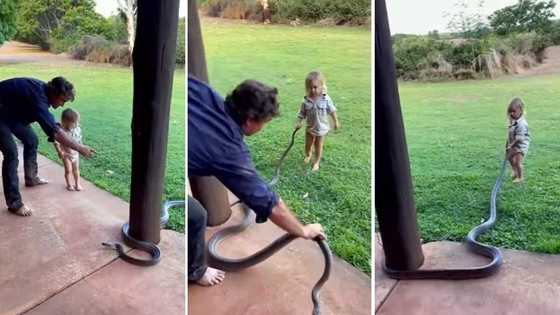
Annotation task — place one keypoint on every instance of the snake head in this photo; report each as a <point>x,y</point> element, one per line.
<point>110,245</point>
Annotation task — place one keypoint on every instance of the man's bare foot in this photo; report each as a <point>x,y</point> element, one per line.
<point>307,159</point>
<point>315,167</point>
<point>36,182</point>
<point>69,188</point>
<point>23,211</point>
<point>79,187</point>
<point>211,277</point>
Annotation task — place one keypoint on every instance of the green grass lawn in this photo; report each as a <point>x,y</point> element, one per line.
<point>104,100</point>
<point>339,195</point>
<point>456,133</point>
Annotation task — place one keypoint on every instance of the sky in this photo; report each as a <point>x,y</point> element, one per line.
<point>420,17</point>
<point>109,7</point>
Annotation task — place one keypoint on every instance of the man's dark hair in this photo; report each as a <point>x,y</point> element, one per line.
<point>253,100</point>
<point>59,86</point>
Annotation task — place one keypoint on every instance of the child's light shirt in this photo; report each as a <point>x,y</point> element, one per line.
<point>76,135</point>
<point>317,114</point>
<point>519,130</point>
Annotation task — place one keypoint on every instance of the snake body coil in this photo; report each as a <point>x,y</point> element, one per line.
<point>231,264</point>
<point>151,248</point>
<point>472,244</point>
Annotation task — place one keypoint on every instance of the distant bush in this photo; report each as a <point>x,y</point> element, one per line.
<point>76,24</point>
<point>98,49</point>
<point>284,11</point>
<point>426,58</point>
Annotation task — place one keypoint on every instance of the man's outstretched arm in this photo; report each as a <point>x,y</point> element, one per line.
<point>65,140</point>
<point>283,217</point>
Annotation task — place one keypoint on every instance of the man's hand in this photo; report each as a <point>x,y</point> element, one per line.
<point>86,151</point>
<point>312,231</point>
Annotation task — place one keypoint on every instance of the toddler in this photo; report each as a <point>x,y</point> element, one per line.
<point>69,122</point>
<point>316,108</point>
<point>518,138</point>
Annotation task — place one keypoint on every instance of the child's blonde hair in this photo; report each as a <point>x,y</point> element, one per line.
<point>312,76</point>
<point>69,116</point>
<point>516,102</point>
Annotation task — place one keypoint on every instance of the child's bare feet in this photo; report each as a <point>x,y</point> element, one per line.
<point>23,211</point>
<point>518,180</point>
<point>79,187</point>
<point>306,159</point>
<point>315,167</point>
<point>69,187</point>
<point>211,277</point>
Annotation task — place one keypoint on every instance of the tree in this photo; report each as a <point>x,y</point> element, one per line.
<point>433,34</point>
<point>265,11</point>
<point>76,23</point>
<point>38,19</point>
<point>468,22</point>
<point>525,16</point>
<point>7,20</point>
<point>128,8</point>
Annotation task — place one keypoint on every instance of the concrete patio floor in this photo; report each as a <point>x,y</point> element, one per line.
<point>53,261</point>
<point>282,284</point>
<point>527,283</point>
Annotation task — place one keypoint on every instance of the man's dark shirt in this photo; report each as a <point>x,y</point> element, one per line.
<point>23,101</point>
<point>216,148</point>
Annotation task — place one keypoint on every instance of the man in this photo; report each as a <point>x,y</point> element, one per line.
<point>22,102</point>
<point>216,148</point>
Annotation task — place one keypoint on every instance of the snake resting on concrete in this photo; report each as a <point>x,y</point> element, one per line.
<point>230,264</point>
<point>472,244</point>
<point>151,248</point>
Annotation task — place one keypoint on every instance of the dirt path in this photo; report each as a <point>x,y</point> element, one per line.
<point>550,65</point>
<point>17,52</point>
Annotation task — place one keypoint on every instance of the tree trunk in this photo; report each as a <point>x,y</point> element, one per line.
<point>129,10</point>
<point>265,12</point>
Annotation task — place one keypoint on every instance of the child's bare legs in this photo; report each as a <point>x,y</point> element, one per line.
<point>510,155</point>
<point>518,162</point>
<point>76,172</point>
<point>318,151</point>
<point>309,139</point>
<point>68,173</point>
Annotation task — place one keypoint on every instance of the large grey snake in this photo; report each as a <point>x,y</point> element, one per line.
<point>472,244</point>
<point>229,264</point>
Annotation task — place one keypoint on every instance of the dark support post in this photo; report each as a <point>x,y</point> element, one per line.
<point>207,190</point>
<point>195,46</point>
<point>153,63</point>
<point>394,203</point>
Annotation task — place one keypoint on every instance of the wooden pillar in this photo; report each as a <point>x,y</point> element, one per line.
<point>394,202</point>
<point>153,64</point>
<point>195,46</point>
<point>207,190</point>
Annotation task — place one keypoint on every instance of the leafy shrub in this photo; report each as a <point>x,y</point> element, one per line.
<point>342,11</point>
<point>98,49</point>
<point>76,23</point>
